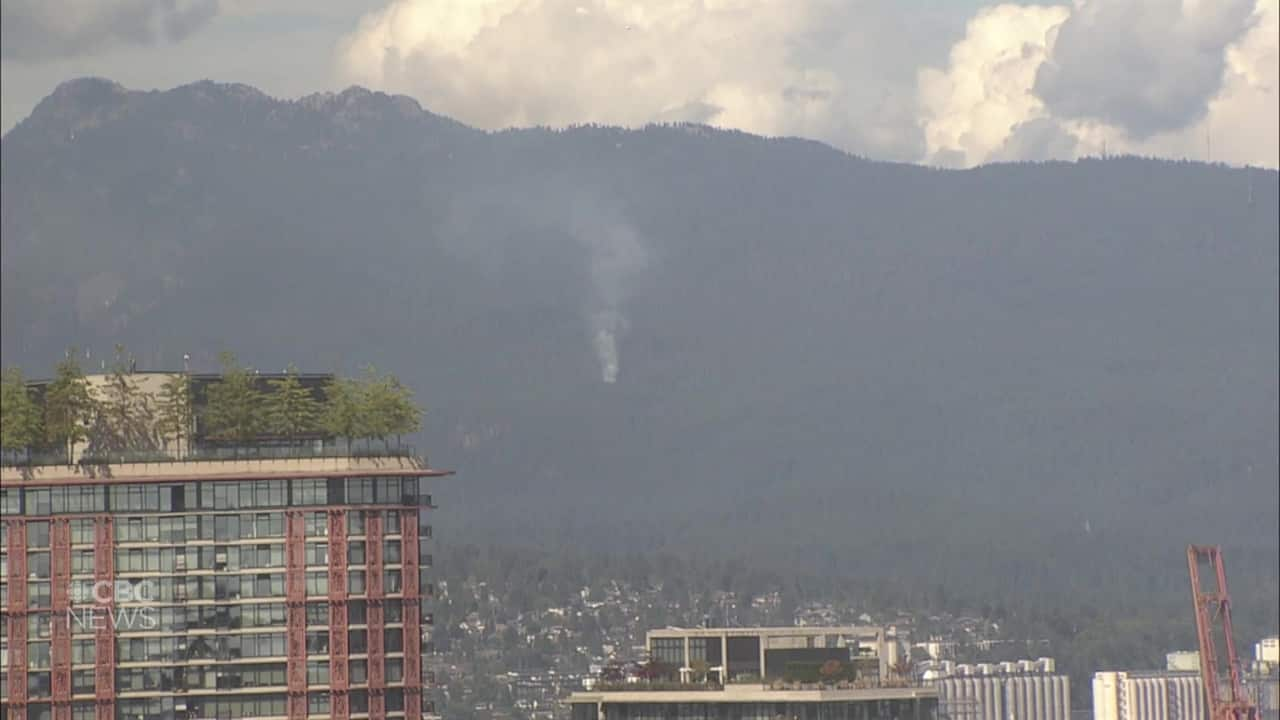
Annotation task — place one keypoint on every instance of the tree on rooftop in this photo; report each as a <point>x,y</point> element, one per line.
<point>69,407</point>
<point>125,417</point>
<point>375,406</point>
<point>290,408</point>
<point>830,670</point>
<point>344,413</point>
<point>20,422</point>
<point>390,406</point>
<point>176,415</point>
<point>234,411</point>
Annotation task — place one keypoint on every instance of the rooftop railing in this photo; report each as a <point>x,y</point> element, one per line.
<point>16,458</point>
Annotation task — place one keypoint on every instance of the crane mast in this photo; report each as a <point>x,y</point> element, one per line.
<point>1226,697</point>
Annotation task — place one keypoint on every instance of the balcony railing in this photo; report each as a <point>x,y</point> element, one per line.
<point>17,458</point>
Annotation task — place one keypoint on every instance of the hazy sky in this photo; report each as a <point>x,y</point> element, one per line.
<point>942,82</point>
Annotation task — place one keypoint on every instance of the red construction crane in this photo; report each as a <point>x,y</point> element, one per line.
<point>1211,606</point>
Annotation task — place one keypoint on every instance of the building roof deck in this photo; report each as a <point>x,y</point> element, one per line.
<point>187,470</point>
<point>754,692</point>
<point>866,631</point>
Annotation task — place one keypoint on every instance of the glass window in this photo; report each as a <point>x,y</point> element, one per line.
<point>317,642</point>
<point>668,651</point>
<point>357,641</point>
<point>38,501</point>
<point>317,583</point>
<point>10,501</point>
<point>83,652</point>
<point>317,553</point>
<point>355,552</point>
<point>38,534</point>
<point>317,613</point>
<point>38,564</point>
<point>310,492</point>
<point>317,524</point>
<point>393,639</point>
<point>38,655</point>
<point>82,531</point>
<point>38,684</point>
<point>318,703</point>
<point>38,594</point>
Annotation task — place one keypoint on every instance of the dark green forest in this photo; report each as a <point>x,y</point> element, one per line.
<point>1024,387</point>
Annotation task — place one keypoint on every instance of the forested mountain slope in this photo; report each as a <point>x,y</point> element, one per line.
<point>1022,380</point>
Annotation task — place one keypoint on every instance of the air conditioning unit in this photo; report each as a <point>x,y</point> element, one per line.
<point>180,562</point>
<point>220,558</point>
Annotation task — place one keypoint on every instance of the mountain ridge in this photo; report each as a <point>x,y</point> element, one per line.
<point>890,349</point>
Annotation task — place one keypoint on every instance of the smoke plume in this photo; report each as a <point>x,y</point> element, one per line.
<point>616,255</point>
<point>613,252</point>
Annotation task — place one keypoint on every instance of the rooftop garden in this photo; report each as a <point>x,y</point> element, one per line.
<point>123,416</point>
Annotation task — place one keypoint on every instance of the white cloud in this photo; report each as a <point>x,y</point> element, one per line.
<point>1151,78</point>
<point>970,110</point>
<point>765,66</point>
<point>1144,66</point>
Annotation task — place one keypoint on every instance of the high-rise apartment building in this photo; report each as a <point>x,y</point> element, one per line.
<point>286,580</point>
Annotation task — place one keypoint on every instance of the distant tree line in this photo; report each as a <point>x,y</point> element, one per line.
<point>118,415</point>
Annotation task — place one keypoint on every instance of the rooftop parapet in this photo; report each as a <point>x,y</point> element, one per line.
<point>188,469</point>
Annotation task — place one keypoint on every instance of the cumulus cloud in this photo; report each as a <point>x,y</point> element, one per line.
<point>765,66</point>
<point>1144,66</point>
<point>971,109</point>
<point>1153,78</point>
<point>32,30</point>
<point>1040,139</point>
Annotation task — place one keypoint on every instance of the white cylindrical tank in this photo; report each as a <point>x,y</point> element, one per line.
<point>1038,688</point>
